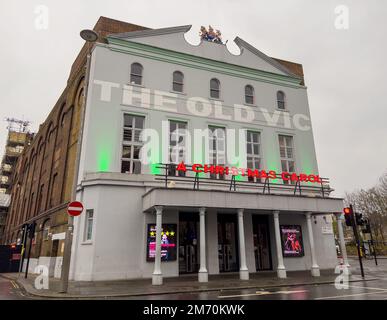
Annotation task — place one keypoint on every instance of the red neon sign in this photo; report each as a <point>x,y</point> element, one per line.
<point>260,174</point>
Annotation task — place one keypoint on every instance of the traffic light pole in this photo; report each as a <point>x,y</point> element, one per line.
<point>356,234</point>
<point>373,244</point>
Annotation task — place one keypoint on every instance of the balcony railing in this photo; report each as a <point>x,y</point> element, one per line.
<point>269,185</point>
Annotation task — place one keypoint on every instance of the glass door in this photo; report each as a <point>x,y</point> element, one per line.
<point>188,242</point>
<point>227,243</point>
<point>261,243</point>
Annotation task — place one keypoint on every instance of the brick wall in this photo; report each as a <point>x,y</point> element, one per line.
<point>44,173</point>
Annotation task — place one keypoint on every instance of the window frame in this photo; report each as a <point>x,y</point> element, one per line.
<point>172,164</point>
<point>87,225</point>
<point>132,74</point>
<point>132,144</point>
<point>281,104</point>
<point>286,158</point>
<point>215,90</point>
<point>214,154</point>
<point>176,82</point>
<point>254,157</point>
<point>252,95</point>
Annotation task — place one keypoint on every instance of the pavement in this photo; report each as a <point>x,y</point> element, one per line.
<point>185,287</point>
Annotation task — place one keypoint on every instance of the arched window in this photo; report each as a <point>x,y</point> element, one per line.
<point>136,73</point>
<point>249,94</point>
<point>45,229</point>
<point>214,88</point>
<point>280,100</point>
<point>178,81</point>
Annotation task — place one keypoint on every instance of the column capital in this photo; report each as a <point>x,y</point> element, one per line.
<point>202,210</point>
<point>240,212</point>
<point>276,213</point>
<point>308,215</point>
<point>159,209</point>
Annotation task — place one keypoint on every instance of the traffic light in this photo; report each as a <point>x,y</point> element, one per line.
<point>31,230</point>
<point>348,216</point>
<point>359,219</point>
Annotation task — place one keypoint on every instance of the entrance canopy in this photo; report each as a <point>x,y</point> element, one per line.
<point>188,198</point>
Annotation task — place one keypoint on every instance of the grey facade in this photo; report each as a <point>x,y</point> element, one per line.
<point>218,228</point>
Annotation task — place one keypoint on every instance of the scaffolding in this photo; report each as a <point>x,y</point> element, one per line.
<point>18,138</point>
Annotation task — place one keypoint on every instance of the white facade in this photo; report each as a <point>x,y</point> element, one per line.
<point>123,204</point>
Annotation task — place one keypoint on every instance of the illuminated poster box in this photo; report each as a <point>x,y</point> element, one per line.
<point>291,238</point>
<point>168,242</point>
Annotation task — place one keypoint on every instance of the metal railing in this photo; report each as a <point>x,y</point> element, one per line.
<point>264,186</point>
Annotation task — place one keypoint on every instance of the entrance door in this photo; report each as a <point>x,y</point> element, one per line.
<point>227,243</point>
<point>188,242</point>
<point>261,242</point>
<point>54,254</point>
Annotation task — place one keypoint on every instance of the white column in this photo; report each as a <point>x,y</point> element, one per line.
<point>343,249</point>
<point>157,276</point>
<point>203,273</point>
<point>315,268</point>
<point>243,270</point>
<point>281,271</point>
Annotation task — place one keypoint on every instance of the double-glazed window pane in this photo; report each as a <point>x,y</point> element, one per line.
<point>214,88</point>
<point>131,148</point>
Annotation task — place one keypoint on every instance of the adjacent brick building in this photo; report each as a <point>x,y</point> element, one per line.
<point>43,179</point>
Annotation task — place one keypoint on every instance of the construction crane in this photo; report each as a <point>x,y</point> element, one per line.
<point>17,124</point>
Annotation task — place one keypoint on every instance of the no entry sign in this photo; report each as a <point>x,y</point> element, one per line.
<point>75,208</point>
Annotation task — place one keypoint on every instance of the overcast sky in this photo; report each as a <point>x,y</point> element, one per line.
<point>345,69</point>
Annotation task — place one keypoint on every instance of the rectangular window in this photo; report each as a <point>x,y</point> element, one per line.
<point>286,154</point>
<point>253,152</point>
<point>131,147</point>
<point>177,145</point>
<point>217,149</point>
<point>89,225</point>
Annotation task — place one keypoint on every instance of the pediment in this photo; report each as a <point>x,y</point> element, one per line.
<point>173,39</point>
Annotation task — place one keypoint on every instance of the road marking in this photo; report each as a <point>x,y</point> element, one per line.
<point>258,293</point>
<point>290,292</point>
<point>262,293</point>
<point>371,288</point>
<point>350,295</point>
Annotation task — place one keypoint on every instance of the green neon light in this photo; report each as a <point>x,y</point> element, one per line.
<point>104,160</point>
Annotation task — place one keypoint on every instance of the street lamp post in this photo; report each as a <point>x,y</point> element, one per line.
<point>90,36</point>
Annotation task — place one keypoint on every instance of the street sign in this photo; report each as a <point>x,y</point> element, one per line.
<point>75,208</point>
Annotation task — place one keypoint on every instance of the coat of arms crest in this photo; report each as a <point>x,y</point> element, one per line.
<point>210,34</point>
